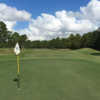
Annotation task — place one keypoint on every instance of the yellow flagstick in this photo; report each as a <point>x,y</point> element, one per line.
<point>18,72</point>
<point>18,65</point>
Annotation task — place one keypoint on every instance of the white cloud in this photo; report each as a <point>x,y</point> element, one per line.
<point>91,11</point>
<point>62,23</point>
<point>10,24</point>
<point>11,15</point>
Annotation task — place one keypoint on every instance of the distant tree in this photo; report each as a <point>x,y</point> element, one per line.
<point>96,36</point>
<point>22,40</point>
<point>88,40</point>
<point>3,33</point>
<point>14,38</point>
<point>74,41</point>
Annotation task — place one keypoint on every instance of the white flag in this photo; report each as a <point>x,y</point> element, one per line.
<point>17,49</point>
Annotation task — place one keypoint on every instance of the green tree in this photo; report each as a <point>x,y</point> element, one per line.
<point>3,34</point>
<point>88,40</point>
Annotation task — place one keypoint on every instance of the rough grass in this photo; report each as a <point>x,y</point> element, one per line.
<point>51,75</point>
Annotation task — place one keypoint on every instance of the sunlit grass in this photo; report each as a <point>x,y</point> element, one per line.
<point>51,75</point>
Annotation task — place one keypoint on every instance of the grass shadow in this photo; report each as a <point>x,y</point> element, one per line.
<point>95,54</point>
<point>17,80</point>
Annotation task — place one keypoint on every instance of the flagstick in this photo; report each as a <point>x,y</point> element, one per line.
<point>18,67</point>
<point>18,72</point>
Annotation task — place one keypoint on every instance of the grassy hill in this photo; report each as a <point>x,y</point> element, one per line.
<point>51,75</point>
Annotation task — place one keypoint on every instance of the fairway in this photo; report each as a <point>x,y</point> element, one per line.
<point>51,75</point>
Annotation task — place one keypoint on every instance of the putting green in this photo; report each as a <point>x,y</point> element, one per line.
<point>51,75</point>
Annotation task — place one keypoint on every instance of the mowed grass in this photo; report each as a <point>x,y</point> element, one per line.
<point>51,75</point>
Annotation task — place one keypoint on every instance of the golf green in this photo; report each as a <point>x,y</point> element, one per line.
<point>50,75</point>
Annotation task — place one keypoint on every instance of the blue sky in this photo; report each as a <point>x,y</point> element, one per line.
<point>36,7</point>
<point>47,19</point>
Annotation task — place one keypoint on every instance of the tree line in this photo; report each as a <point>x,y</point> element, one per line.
<point>8,39</point>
